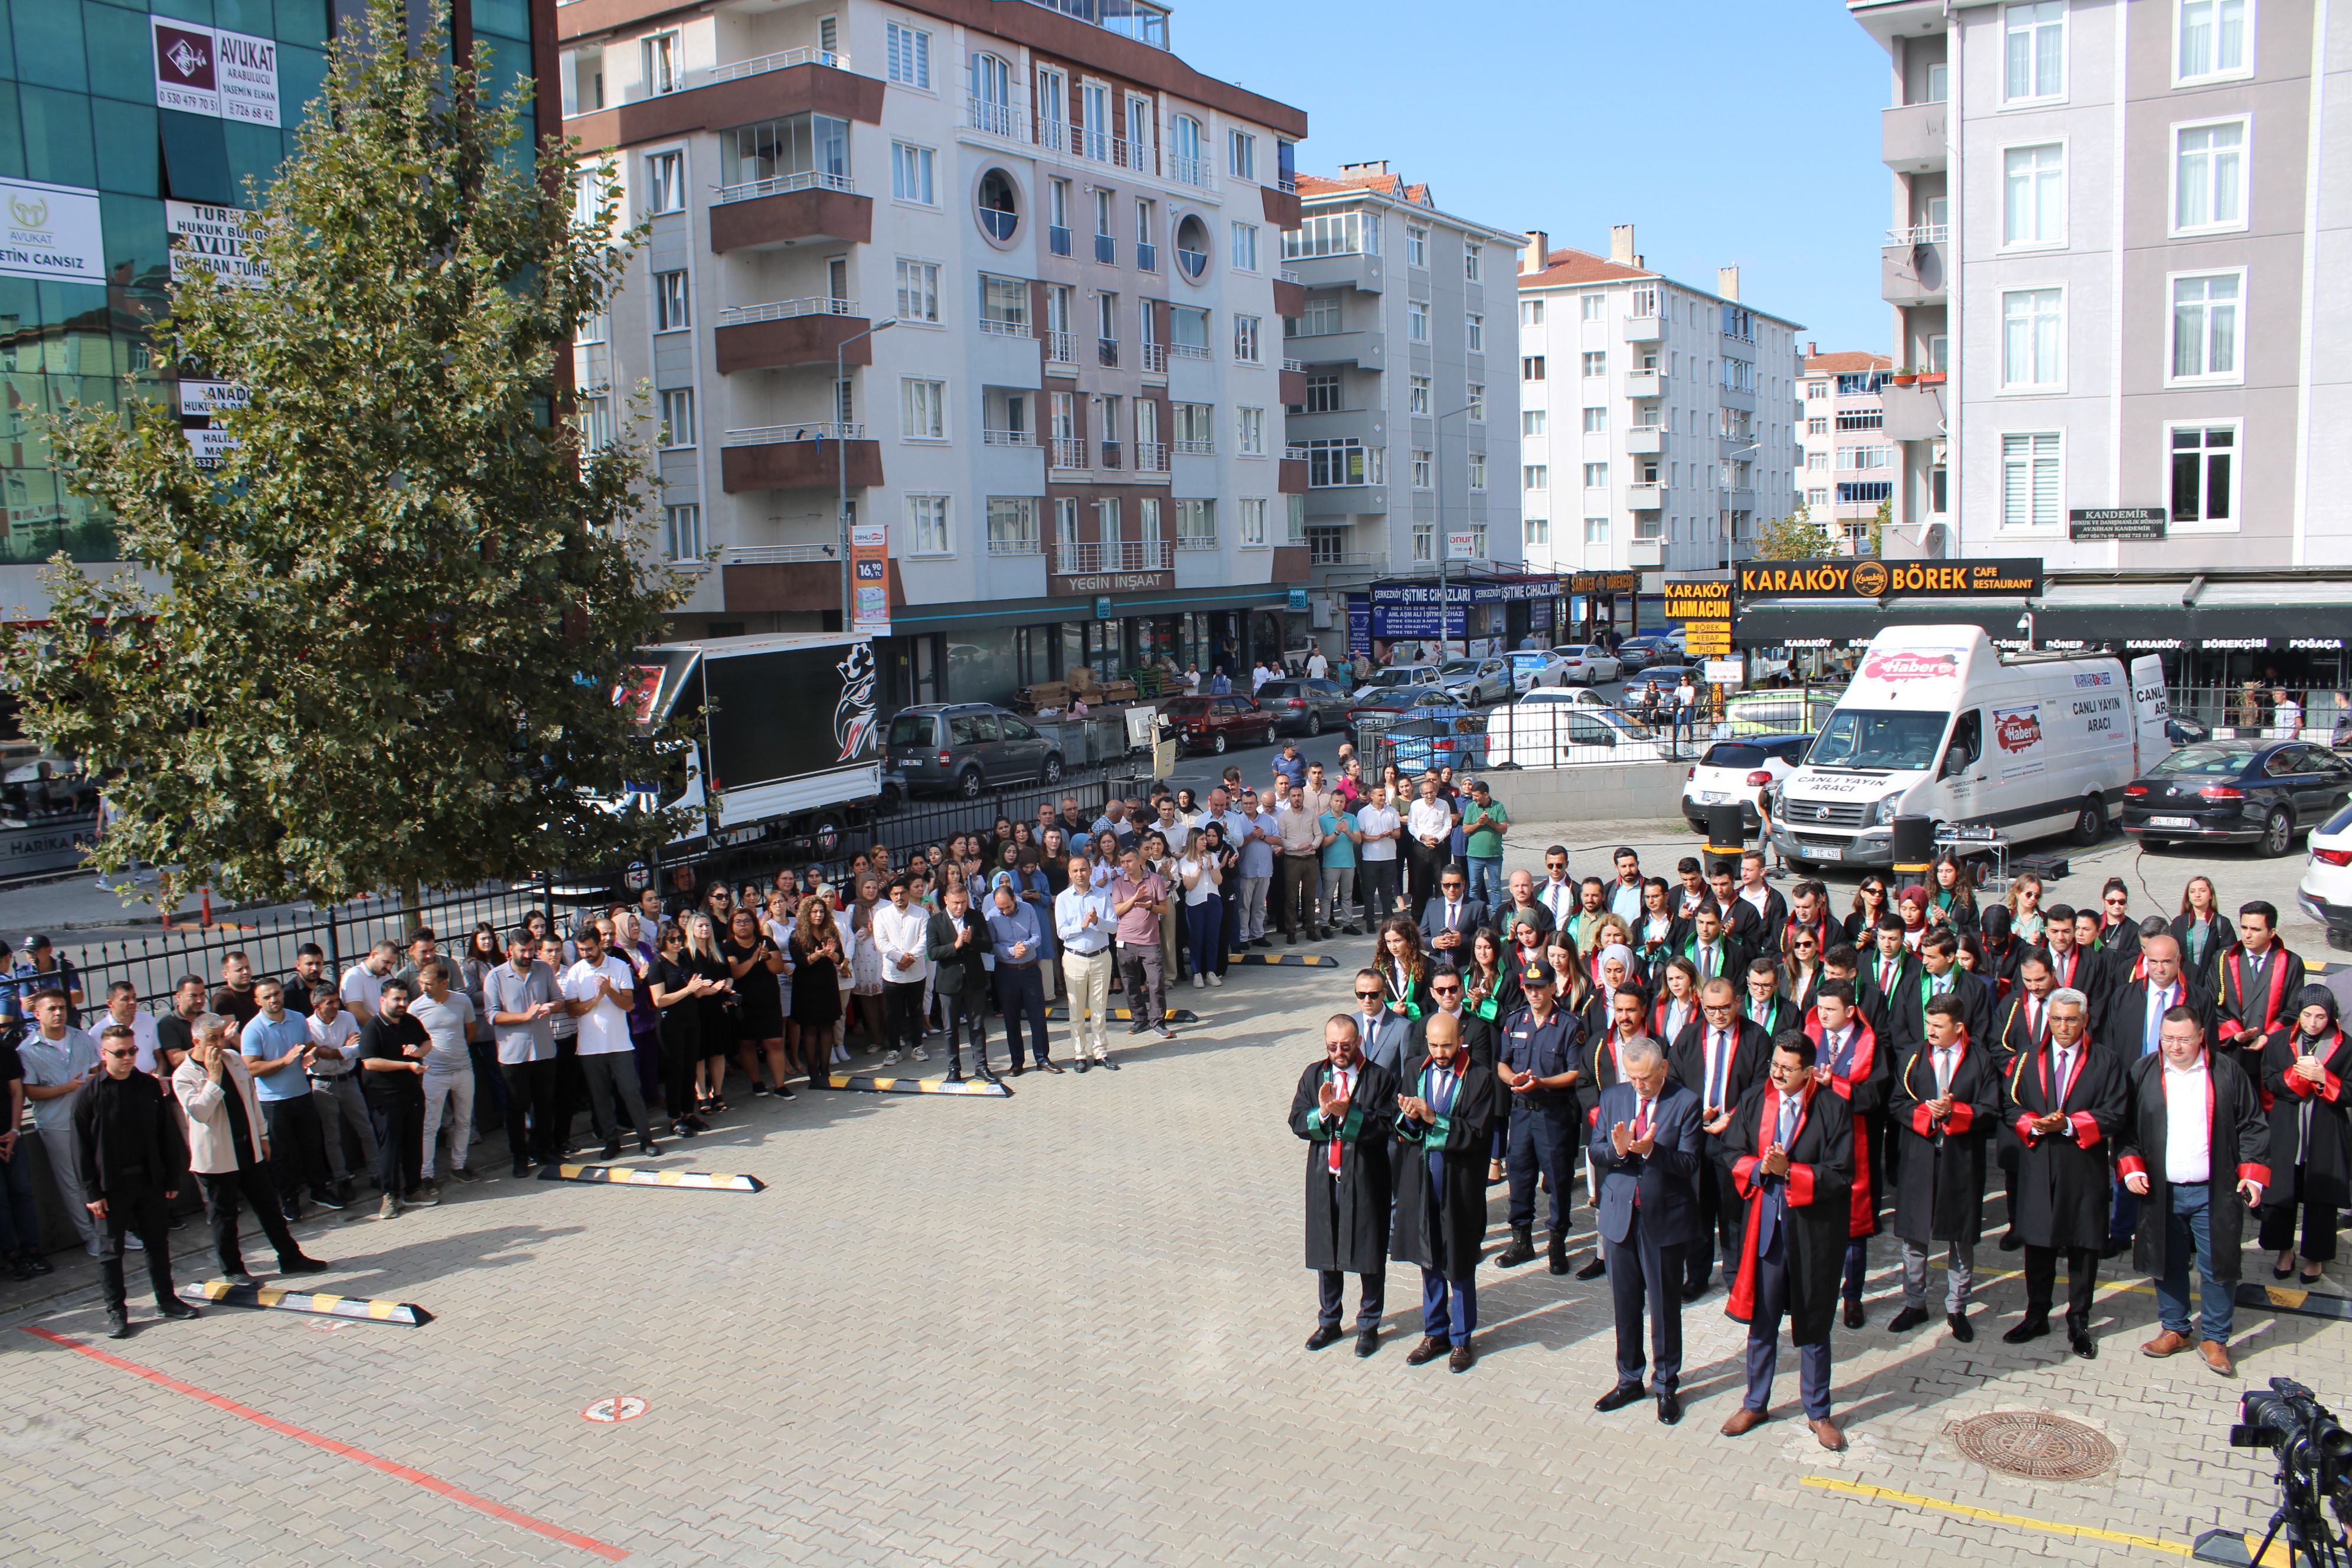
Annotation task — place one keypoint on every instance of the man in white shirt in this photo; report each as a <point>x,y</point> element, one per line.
<point>1083,920</point>
<point>1429,824</point>
<point>362,985</point>
<point>1260,673</point>
<point>335,1087</point>
<point>597,991</point>
<point>1625,892</point>
<point>1376,855</point>
<point>122,1007</point>
<point>1685,709</point>
<point>899,931</point>
<point>1559,893</point>
<point>1318,666</point>
<point>57,1060</point>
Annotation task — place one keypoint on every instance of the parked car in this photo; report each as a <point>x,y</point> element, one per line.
<point>1534,667</point>
<point>968,748</point>
<point>1216,724</point>
<point>1650,647</point>
<point>1305,707</point>
<point>1552,734</point>
<point>1436,738</point>
<point>2326,892</point>
<point>1476,680</point>
<point>1394,677</point>
<point>1740,770</point>
<point>1377,712</point>
<point>1788,711</point>
<point>1589,663</point>
<point>2237,791</point>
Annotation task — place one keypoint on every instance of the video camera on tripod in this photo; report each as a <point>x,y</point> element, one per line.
<point>2315,1473</point>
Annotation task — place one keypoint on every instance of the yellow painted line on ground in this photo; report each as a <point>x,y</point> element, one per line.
<point>1988,1516</point>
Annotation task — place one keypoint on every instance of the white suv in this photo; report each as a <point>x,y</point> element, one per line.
<point>2325,892</point>
<point>1740,771</point>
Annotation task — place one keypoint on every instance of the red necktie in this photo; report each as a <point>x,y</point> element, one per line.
<point>1340,1082</point>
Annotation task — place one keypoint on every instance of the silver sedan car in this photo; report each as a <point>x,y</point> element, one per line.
<point>1476,680</point>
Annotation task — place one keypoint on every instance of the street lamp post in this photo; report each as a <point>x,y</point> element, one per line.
<point>841,465</point>
<point>1444,611</point>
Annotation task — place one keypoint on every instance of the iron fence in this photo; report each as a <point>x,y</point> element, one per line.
<point>2253,712</point>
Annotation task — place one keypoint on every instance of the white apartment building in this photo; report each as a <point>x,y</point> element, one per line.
<point>2113,224</point>
<point>1006,272</point>
<point>1655,418</point>
<point>1406,346</point>
<point>1848,463</point>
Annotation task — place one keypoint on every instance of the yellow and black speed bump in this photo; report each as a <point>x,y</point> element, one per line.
<point>1297,959</point>
<point>2303,1303</point>
<point>631,1176</point>
<point>359,1306</point>
<point>869,1083</point>
<point>1058,1013</point>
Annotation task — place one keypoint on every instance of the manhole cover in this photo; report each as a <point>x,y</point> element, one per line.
<point>2034,1445</point>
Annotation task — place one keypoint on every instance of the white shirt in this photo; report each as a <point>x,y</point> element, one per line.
<point>1200,891</point>
<point>1374,819</point>
<point>897,930</point>
<point>142,1036</point>
<point>604,1030</point>
<point>1430,819</point>
<point>363,987</point>
<point>1318,666</point>
<point>1258,678</point>
<point>342,1038</point>
<point>1561,898</point>
<point>2188,1131</point>
<point>1178,833</point>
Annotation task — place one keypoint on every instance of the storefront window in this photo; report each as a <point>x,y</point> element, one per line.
<point>983,665</point>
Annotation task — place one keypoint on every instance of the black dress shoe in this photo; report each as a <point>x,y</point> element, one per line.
<point>1367,1342</point>
<point>1324,1334</point>
<point>301,1264</point>
<point>2116,1248</point>
<point>2011,1241</point>
<point>240,1276</point>
<point>1619,1398</point>
<point>1908,1318</point>
<point>1045,1065</point>
<point>1082,1065</point>
<point>1594,1269</point>
<point>1106,1064</point>
<point>1962,1330</point>
<point>173,1307</point>
<point>118,1326</point>
<point>1017,1070</point>
<point>1670,1408</point>
<point>2031,1328</point>
<point>1854,1317</point>
<point>1694,1288</point>
<point>2081,1345</point>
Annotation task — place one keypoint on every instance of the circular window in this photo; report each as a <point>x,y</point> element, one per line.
<point>1192,248</point>
<point>1000,210</point>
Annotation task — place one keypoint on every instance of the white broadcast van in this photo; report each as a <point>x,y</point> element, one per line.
<point>1938,723</point>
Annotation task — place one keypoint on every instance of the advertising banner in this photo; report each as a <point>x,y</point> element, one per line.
<point>221,75</point>
<point>51,232</point>
<point>197,235</point>
<point>869,573</point>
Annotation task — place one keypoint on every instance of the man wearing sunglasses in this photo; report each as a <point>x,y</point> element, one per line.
<point>133,1163</point>
<point>1343,1110</point>
<point>1383,1036</point>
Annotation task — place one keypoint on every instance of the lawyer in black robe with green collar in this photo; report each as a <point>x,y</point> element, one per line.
<point>1348,1199</point>
<point>1440,1220</point>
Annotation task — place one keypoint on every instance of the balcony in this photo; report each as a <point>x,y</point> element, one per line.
<point>1642,328</point>
<point>764,215</point>
<point>1057,240</point>
<point>1107,249</point>
<point>789,456</point>
<point>1147,258</point>
<point>1911,137</point>
<point>1914,413</point>
<point>1189,170</point>
<point>1123,564</point>
<point>996,120</point>
<point>1368,350</point>
<point>1646,438</point>
<point>1645,383</point>
<point>1739,398</point>
<point>791,332</point>
<point>1911,270</point>
<point>1289,294</point>
<point>1191,350</point>
<point>1070,453</point>
<point>1061,348</point>
<point>1196,449</point>
<point>1151,457</point>
<point>768,578</point>
<point>1196,542</point>
<point>793,81</point>
<point>996,327</point>
<point>1155,358</point>
<point>1008,437</point>
<point>1643,497</point>
<point>1348,269</point>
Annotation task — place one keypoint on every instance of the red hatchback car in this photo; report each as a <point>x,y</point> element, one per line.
<point>1215,724</point>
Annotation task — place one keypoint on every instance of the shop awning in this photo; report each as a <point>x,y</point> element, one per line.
<point>2132,617</point>
<point>1852,623</point>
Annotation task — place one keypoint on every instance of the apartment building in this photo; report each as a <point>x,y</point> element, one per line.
<point>1001,274</point>
<point>1846,472</point>
<point>1656,419</point>
<point>2111,225</point>
<point>1407,348</point>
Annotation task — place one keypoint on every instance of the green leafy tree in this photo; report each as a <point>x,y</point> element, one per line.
<point>1796,537</point>
<point>1878,526</point>
<point>398,610</point>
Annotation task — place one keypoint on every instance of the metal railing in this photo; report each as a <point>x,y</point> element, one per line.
<point>990,325</point>
<point>1151,457</point>
<point>1058,240</point>
<point>1347,560</point>
<point>765,63</point>
<point>1296,365</point>
<point>780,185</point>
<point>785,309</point>
<point>1190,351</point>
<point>1289,184</point>
<point>1112,455</point>
<point>1147,257</point>
<point>907,826</point>
<point>1119,555</point>
<point>1155,357</point>
<point>996,119</point>
<point>1007,438</point>
<point>1294,454</point>
<point>1105,248</point>
<point>1030,545</point>
<point>2252,713</point>
<point>774,554</point>
<point>1054,135</point>
<point>1107,352</point>
<point>1191,263</point>
<point>1061,348</point>
<point>1196,449</point>
<point>1196,542</point>
<point>1288,275</point>
<point>774,435</point>
<point>1921,234</point>
<point>1069,452</point>
<point>1188,170</point>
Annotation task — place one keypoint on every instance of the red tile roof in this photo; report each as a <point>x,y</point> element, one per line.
<point>1846,363</point>
<point>1580,266</point>
<point>1389,185</point>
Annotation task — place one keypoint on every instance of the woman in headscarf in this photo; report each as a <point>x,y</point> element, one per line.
<point>2304,1074</point>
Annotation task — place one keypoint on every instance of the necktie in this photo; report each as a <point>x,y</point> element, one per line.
<point>1642,1122</point>
<point>2065,1068</point>
<point>1943,1073</point>
<point>1341,1080</point>
<point>2158,1003</point>
<point>1788,1120</point>
<point>1452,914</point>
<point>1718,1068</point>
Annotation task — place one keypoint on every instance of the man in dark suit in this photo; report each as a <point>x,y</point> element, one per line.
<point>1720,1055</point>
<point>1448,919</point>
<point>1771,908</point>
<point>1741,920</point>
<point>1343,1110</point>
<point>1939,974</point>
<point>2020,1028</point>
<point>2073,966</point>
<point>2259,982</point>
<point>1648,1146</point>
<point>1764,1006</point>
<point>1887,969</point>
<point>1719,954</point>
<point>1383,1037</point>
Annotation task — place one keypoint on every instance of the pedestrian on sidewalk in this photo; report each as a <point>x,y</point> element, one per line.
<point>229,1153</point>
<point>133,1163</point>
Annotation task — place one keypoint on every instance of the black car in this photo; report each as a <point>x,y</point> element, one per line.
<point>2237,791</point>
<point>1306,707</point>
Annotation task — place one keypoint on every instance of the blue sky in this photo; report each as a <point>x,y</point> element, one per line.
<point>1725,133</point>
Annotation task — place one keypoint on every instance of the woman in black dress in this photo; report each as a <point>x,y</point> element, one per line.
<point>818,959</point>
<point>677,992</point>
<point>716,1028</point>
<point>753,961</point>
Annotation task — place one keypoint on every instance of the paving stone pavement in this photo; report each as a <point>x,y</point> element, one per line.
<point>1061,1329</point>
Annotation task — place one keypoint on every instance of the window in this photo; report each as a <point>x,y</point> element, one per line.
<point>662,72</point>
<point>1535,530</point>
<point>1249,432</point>
<point>672,312</point>
<point>1416,320</point>
<point>1817,457</point>
<point>1865,491</point>
<point>1416,246</point>
<point>1739,375</point>
<point>1865,457</point>
<point>1241,154</point>
<point>1323,394</point>
<point>909,56</point>
<point>1333,234</point>
<point>925,409</point>
<point>1417,396</point>
<point>1249,333</point>
<point>2034,211</point>
<point>2203,474</point>
<point>1532,367</point>
<point>678,418</point>
<point>2032,336</point>
<point>1253,523</point>
<point>1424,537</point>
<point>1596,531</point>
<point>1817,425</point>
<point>2208,186</point>
<point>1322,317</point>
<point>1066,518</point>
<point>1817,389</point>
<point>991,96</point>
<point>1937,361</point>
<point>1474,263</point>
<point>1596,419</point>
<point>1345,461</point>
<point>1535,477</point>
<point>1596,476</point>
<point>910,173</point>
<point>1423,470</point>
<point>1477,402</point>
<point>1593,307</point>
<point>1474,328</point>
<point>682,533</point>
<point>1816,497</point>
<point>1245,247</point>
<point>997,205</point>
<point>918,291</point>
<point>1194,426</point>
<point>1057,212</point>
<point>2030,492</point>
<point>2033,51</point>
<point>1477,471</point>
<point>1188,159</point>
<point>1004,304</point>
<point>926,525</point>
<point>1596,363</point>
<point>1862,419</point>
<point>2205,326</point>
<point>1196,525</point>
<point>2212,41</point>
<point>1533,421</point>
<point>1192,242</point>
<point>1011,525</point>
<point>666,183</point>
<point>1531,312</point>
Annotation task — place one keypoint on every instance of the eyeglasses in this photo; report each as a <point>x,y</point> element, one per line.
<point>2118,898</point>
<point>1369,996</point>
<point>1445,991</point>
<point>118,1055</point>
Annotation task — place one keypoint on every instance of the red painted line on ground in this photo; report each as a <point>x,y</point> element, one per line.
<point>360,1456</point>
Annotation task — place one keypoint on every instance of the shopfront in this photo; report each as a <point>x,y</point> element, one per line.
<point>1496,612</point>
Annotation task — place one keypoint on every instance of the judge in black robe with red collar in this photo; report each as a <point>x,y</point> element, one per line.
<point>2073,966</point>
<point>2067,1102</point>
<point>2020,1025</point>
<point>2002,951</point>
<point>1721,1056</point>
<point>1791,1143</point>
<point>1944,1115</point>
<point>2305,1071</point>
<point>2259,982</point>
<point>1853,1063</point>
<point>1344,1108</point>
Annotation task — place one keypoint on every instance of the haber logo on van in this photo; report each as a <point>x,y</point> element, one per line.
<point>1905,666</point>
<point>2017,728</point>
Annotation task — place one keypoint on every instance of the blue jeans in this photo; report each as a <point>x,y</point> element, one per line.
<point>1449,1308</point>
<point>20,1222</point>
<point>2125,1218</point>
<point>2187,1227</point>
<point>1487,881</point>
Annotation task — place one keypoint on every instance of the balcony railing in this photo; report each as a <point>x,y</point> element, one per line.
<point>1147,258</point>
<point>1018,545</point>
<point>1196,542</point>
<point>1188,170</point>
<point>1106,249</point>
<point>1347,560</point>
<point>1288,184</point>
<point>1120,555</point>
<point>773,554</point>
<point>1069,452</point>
<point>1190,351</point>
<point>996,119</point>
<point>1294,454</point>
<point>1151,457</point>
<point>1193,263</point>
<point>1107,352</point>
<point>1058,240</point>
<point>1288,275</point>
<point>995,328</point>
<point>814,430</point>
<point>1112,455</point>
<point>1007,438</point>
<point>811,180</point>
<point>1155,357</point>
<point>1921,234</point>
<point>1296,365</point>
<point>1196,449</point>
<point>765,63</point>
<point>1061,348</point>
<point>785,309</point>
